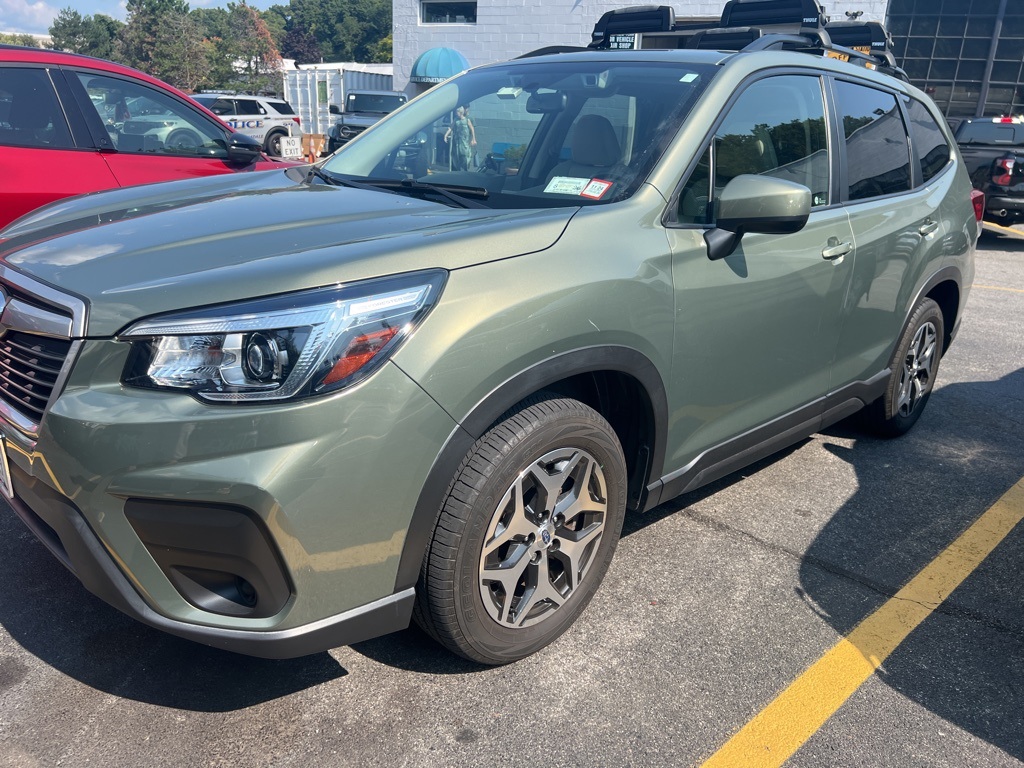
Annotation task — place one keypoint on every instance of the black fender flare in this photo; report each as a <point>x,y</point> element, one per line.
<point>946,274</point>
<point>475,424</point>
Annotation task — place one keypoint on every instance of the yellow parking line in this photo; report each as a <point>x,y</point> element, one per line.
<point>999,288</point>
<point>782,727</point>
<point>1000,229</point>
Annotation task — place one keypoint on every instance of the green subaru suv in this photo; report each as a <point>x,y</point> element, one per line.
<point>281,412</point>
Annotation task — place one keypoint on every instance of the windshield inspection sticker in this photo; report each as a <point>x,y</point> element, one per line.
<point>566,185</point>
<point>596,189</point>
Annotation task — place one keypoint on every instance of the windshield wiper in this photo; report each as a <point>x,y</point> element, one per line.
<point>464,197</point>
<point>323,175</point>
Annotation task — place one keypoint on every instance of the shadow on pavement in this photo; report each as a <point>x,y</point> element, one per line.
<point>965,663</point>
<point>995,240</point>
<point>51,615</point>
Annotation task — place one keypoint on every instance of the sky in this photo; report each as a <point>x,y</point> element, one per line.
<point>35,16</point>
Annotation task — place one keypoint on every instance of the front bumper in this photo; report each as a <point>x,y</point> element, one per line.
<point>324,490</point>
<point>63,530</point>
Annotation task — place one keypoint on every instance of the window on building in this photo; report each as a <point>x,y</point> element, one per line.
<point>447,13</point>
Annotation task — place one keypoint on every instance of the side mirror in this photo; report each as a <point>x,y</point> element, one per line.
<point>243,149</point>
<point>762,204</point>
<point>334,109</point>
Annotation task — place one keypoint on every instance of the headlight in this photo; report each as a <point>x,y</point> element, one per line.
<point>282,347</point>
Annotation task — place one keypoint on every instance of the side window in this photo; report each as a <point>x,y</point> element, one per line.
<point>249,107</point>
<point>222,107</point>
<point>929,141</point>
<point>30,115</point>
<point>877,151</point>
<point>143,120</point>
<point>777,128</point>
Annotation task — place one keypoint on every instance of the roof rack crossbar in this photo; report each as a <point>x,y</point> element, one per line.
<point>758,25</point>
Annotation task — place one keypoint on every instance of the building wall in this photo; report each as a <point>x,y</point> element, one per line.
<point>508,28</point>
<point>967,54</point>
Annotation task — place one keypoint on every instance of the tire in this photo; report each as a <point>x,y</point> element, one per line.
<point>183,140</point>
<point>914,366</point>
<point>506,573</point>
<point>273,144</point>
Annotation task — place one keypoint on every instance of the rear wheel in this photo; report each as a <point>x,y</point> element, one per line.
<point>183,140</point>
<point>526,532</point>
<point>914,366</point>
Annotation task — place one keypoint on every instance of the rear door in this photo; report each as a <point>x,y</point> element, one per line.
<point>896,216</point>
<point>41,157</point>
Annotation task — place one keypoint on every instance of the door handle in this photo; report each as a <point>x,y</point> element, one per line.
<point>833,252</point>
<point>928,227</point>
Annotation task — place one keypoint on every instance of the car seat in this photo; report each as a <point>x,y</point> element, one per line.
<point>595,150</point>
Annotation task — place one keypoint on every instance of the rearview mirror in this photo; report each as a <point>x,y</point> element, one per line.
<point>544,103</point>
<point>762,204</point>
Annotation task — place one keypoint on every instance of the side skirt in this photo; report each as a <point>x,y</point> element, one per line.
<point>769,438</point>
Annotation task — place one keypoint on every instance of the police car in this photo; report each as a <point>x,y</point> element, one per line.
<point>265,119</point>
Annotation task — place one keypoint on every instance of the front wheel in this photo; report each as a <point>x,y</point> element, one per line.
<point>526,533</point>
<point>914,366</point>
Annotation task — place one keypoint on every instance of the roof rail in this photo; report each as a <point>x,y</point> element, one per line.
<point>752,25</point>
<point>551,49</point>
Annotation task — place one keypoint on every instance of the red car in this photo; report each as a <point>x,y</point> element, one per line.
<point>71,124</point>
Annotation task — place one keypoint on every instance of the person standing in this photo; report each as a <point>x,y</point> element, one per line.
<point>463,139</point>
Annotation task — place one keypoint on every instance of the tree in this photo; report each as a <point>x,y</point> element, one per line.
<point>102,33</point>
<point>182,53</point>
<point>255,57</point>
<point>137,43</point>
<point>19,39</point>
<point>302,46</point>
<point>68,31</point>
<point>91,35</point>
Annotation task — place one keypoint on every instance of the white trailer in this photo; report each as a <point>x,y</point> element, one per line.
<point>312,90</point>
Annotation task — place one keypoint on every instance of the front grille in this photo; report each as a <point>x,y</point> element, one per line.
<point>29,368</point>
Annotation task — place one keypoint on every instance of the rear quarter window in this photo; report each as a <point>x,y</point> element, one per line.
<point>929,142</point>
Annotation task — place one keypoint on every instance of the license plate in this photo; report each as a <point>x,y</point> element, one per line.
<point>5,471</point>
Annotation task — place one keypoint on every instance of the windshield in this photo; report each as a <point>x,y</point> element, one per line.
<point>374,102</point>
<point>533,134</point>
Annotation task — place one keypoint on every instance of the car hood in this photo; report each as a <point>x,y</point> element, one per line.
<point>361,118</point>
<point>142,251</point>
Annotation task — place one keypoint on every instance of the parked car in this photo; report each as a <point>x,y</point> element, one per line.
<point>993,151</point>
<point>362,109</point>
<point>281,412</point>
<point>71,124</point>
<point>265,119</point>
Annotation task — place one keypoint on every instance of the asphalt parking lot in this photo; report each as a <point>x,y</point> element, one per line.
<point>715,604</point>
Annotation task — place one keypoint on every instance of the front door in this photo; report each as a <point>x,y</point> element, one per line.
<point>756,332</point>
